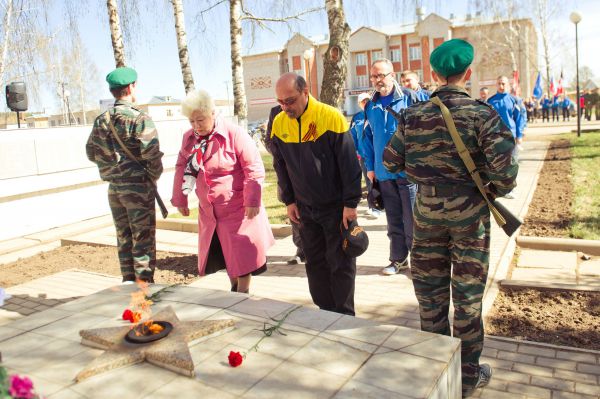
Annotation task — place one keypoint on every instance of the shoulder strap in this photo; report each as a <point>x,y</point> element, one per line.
<point>161,204</point>
<point>123,147</point>
<point>466,158</point>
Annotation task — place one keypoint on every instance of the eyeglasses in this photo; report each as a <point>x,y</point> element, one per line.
<point>380,76</point>
<point>288,102</point>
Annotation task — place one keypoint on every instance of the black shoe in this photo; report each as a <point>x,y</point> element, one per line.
<point>485,375</point>
<point>296,259</point>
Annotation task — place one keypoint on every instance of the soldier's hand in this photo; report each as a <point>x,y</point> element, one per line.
<point>251,211</point>
<point>348,215</point>
<point>371,175</point>
<point>185,211</point>
<point>293,213</point>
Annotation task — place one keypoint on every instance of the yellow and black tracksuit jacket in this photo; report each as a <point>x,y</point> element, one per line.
<point>315,159</point>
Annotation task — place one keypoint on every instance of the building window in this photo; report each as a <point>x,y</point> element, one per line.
<point>169,112</point>
<point>362,81</point>
<point>414,53</point>
<point>396,55</point>
<point>296,63</point>
<point>376,55</point>
<point>361,59</point>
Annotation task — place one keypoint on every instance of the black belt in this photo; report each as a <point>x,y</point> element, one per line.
<point>132,179</point>
<point>447,191</point>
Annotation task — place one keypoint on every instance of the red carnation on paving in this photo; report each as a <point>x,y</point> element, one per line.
<point>235,358</point>
<point>128,315</point>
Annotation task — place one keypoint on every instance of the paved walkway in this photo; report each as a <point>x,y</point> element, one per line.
<point>521,369</point>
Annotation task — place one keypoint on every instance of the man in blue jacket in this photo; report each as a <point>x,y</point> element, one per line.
<point>545,103</point>
<point>357,130</point>
<point>555,106</point>
<point>508,108</point>
<point>565,104</point>
<point>398,194</point>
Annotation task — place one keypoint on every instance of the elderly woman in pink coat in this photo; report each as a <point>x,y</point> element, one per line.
<point>223,162</point>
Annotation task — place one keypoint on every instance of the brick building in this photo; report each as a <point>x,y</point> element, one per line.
<point>498,50</point>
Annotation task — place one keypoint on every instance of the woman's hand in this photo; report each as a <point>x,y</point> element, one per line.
<point>185,211</point>
<point>251,211</point>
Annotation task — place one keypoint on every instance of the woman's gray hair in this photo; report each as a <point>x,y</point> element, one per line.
<point>197,100</point>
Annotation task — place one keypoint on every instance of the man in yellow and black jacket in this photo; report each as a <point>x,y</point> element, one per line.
<point>319,179</point>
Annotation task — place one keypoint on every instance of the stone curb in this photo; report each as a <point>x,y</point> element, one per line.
<point>543,345</point>
<point>549,286</point>
<point>191,226</point>
<point>590,247</point>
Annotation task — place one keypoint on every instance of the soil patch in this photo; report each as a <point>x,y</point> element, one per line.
<point>549,213</point>
<point>555,317</point>
<point>568,318</point>
<point>170,268</point>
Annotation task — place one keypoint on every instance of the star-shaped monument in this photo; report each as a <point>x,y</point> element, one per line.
<point>171,352</point>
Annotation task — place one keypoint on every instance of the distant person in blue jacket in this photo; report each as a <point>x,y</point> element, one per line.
<point>508,107</point>
<point>546,104</point>
<point>397,192</point>
<point>555,106</point>
<point>357,130</point>
<point>511,112</point>
<point>410,80</point>
<point>565,105</point>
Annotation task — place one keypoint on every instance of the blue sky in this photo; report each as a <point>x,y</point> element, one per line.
<point>153,51</point>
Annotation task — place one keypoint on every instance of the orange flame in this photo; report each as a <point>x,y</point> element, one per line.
<point>141,308</point>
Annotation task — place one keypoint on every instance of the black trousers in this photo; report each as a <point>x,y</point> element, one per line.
<point>331,274</point>
<point>545,114</point>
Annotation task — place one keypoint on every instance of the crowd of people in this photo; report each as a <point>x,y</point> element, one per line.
<point>401,143</point>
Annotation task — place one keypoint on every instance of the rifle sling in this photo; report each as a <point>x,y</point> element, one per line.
<point>125,149</point>
<point>466,158</point>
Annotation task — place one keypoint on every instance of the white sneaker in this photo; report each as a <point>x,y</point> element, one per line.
<point>509,196</point>
<point>129,282</point>
<point>396,267</point>
<point>374,212</point>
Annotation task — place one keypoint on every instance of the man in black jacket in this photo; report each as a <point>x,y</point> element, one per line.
<point>319,178</point>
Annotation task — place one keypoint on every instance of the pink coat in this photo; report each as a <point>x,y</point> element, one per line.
<point>230,178</point>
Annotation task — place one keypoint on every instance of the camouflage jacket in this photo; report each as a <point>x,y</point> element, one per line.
<point>423,147</point>
<point>138,133</point>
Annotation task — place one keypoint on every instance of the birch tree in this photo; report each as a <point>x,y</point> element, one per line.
<point>115,33</point>
<point>184,61</point>
<point>238,14</point>
<point>6,34</point>
<point>335,61</point>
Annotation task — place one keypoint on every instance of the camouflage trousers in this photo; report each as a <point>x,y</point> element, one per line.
<point>450,258</point>
<point>134,215</point>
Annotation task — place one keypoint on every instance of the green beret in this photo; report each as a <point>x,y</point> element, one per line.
<point>121,77</point>
<point>451,57</point>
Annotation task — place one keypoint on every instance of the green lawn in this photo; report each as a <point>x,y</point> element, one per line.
<point>275,209</point>
<point>586,184</point>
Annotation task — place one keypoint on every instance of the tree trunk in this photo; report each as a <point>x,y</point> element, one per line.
<point>237,68</point>
<point>7,21</point>
<point>184,61</point>
<point>336,58</point>
<point>115,33</point>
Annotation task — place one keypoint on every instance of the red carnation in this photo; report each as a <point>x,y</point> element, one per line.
<point>235,358</point>
<point>128,315</point>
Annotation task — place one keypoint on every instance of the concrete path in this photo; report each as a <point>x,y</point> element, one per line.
<point>521,369</point>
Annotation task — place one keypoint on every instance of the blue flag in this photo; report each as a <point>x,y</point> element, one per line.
<point>537,90</point>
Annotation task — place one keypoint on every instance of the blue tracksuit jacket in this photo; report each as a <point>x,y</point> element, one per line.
<point>509,110</point>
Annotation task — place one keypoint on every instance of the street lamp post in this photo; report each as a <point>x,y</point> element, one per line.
<point>575,17</point>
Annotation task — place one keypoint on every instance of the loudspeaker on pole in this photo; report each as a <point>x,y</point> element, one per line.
<point>16,96</point>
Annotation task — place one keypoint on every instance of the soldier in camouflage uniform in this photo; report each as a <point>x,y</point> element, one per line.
<point>452,221</point>
<point>131,193</point>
